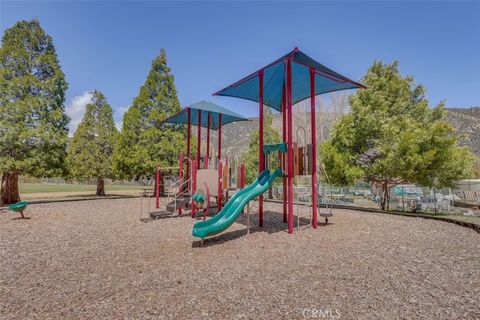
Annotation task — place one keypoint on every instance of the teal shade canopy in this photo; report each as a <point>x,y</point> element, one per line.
<point>205,107</point>
<point>326,80</point>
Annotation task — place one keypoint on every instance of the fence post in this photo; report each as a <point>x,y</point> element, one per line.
<point>453,199</point>
<point>157,187</point>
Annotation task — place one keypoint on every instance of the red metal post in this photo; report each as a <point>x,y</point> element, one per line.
<point>290,145</point>
<point>199,136</point>
<point>284,139</point>
<point>194,185</point>
<point>261,165</point>
<point>180,178</point>
<point>314,148</point>
<point>219,156</point>
<point>208,140</point>
<point>220,137</point>
<point>220,185</point>
<point>189,124</point>
<point>157,187</point>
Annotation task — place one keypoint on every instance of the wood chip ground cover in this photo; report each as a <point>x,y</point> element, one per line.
<point>97,260</point>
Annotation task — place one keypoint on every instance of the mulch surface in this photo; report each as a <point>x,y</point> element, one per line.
<point>97,260</point>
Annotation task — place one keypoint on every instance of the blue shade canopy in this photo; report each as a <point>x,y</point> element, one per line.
<point>205,107</point>
<point>326,80</point>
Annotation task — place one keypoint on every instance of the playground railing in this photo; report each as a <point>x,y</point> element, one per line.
<point>180,192</point>
<point>176,190</point>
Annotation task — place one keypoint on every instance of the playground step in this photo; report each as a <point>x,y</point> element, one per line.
<point>182,202</point>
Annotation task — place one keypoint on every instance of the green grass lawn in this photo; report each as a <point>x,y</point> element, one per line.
<point>47,187</point>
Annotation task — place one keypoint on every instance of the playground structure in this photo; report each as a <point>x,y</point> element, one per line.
<point>288,80</point>
<point>203,176</point>
<point>284,82</point>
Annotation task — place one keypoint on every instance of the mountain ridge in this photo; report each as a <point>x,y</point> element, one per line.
<point>465,121</point>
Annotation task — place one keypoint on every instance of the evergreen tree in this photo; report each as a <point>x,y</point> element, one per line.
<point>145,140</point>
<point>33,124</point>
<point>393,137</point>
<point>270,136</point>
<point>90,151</point>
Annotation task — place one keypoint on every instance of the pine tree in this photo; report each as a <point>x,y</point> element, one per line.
<point>145,140</point>
<point>33,124</point>
<point>90,151</point>
<point>393,137</point>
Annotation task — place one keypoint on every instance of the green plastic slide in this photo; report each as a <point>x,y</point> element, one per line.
<point>234,206</point>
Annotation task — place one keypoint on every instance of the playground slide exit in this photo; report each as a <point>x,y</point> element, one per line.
<point>234,206</point>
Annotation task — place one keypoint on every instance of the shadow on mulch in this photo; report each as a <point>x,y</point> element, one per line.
<point>10,212</point>
<point>159,215</point>
<point>273,223</point>
<point>20,218</point>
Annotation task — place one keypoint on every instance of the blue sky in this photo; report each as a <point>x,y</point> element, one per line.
<point>109,45</point>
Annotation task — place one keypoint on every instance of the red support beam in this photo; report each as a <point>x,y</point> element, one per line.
<point>199,136</point>
<point>290,145</point>
<point>261,164</point>
<point>208,138</point>
<point>314,148</point>
<point>180,177</point>
<point>194,186</point>
<point>219,155</point>
<point>220,137</point>
<point>189,125</point>
<point>220,185</point>
<point>284,140</point>
<point>226,170</point>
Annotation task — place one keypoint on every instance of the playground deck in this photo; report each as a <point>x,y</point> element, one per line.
<point>96,259</point>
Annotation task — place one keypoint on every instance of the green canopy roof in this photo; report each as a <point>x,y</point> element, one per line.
<point>205,107</point>
<point>326,80</point>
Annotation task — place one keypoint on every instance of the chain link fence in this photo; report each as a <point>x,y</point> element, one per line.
<point>406,198</point>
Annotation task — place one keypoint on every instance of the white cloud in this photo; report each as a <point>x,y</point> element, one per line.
<point>118,116</point>
<point>76,109</point>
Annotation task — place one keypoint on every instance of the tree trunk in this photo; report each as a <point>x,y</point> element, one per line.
<point>9,190</point>
<point>385,196</point>
<point>100,187</point>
